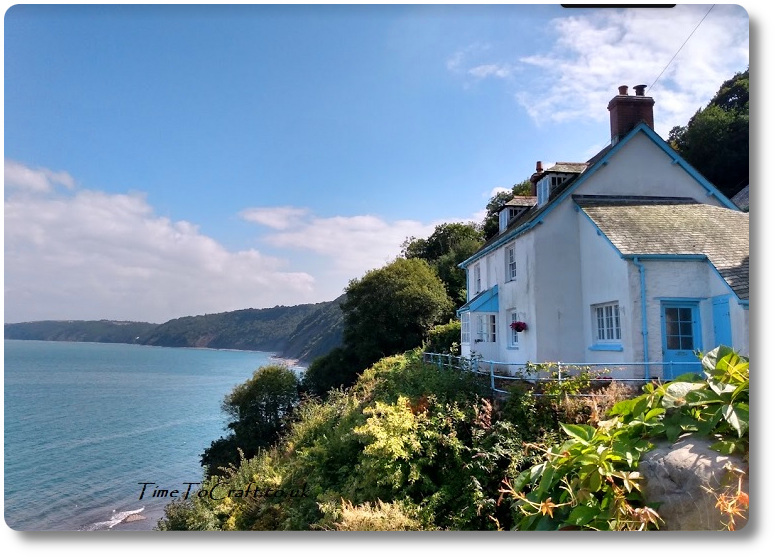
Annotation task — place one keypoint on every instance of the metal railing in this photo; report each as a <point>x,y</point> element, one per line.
<point>499,372</point>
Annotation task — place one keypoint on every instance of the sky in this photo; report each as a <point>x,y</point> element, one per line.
<point>163,161</point>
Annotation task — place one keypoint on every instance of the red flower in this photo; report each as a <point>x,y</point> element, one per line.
<point>519,326</point>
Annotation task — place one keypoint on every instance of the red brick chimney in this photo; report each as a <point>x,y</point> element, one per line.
<point>535,177</point>
<point>627,111</point>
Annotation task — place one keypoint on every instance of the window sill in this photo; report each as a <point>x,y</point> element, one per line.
<point>617,347</point>
<point>512,347</point>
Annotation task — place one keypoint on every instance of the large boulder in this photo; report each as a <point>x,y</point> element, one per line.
<point>684,481</point>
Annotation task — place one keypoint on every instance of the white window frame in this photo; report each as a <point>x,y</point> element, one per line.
<point>511,262</point>
<point>607,323</point>
<point>465,328</point>
<point>543,191</point>
<point>486,327</point>
<point>513,334</point>
<point>477,278</point>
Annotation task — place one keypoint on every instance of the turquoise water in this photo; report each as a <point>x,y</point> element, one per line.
<point>86,423</point>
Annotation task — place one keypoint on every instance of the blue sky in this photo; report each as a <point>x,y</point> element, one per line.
<point>163,161</point>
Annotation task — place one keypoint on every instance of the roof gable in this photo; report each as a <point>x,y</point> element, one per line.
<point>535,216</point>
<point>675,228</point>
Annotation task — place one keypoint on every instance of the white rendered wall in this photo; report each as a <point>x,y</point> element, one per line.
<point>643,168</point>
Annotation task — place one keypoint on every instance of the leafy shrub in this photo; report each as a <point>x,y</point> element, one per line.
<point>591,481</point>
<point>444,339</point>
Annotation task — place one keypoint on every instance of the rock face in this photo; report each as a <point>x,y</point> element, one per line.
<point>679,476</point>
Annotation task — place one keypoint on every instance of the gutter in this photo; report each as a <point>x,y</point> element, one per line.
<point>644,321</point>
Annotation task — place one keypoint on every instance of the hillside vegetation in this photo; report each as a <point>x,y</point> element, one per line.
<point>413,447</point>
<point>301,332</point>
<point>126,332</point>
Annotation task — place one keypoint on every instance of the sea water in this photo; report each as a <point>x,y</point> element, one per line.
<point>87,424</point>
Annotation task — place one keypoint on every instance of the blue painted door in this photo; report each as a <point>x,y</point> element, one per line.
<point>722,326</point>
<point>680,338</point>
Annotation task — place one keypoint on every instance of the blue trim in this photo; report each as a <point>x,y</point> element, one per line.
<point>484,302</point>
<point>644,321</point>
<point>677,159</point>
<point>599,232</point>
<point>654,137</point>
<point>688,257</point>
<point>696,331</point>
<point>613,347</point>
<point>670,256</point>
<point>680,300</point>
<point>743,303</point>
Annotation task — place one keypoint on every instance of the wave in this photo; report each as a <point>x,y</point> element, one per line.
<point>117,518</point>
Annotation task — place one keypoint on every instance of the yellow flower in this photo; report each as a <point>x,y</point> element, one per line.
<point>547,507</point>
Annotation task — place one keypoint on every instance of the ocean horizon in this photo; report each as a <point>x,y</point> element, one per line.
<point>89,425</point>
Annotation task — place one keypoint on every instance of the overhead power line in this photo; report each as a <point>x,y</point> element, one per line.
<point>679,48</point>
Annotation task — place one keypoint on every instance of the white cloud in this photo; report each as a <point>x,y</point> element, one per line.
<point>492,70</point>
<point>279,218</point>
<point>88,254</point>
<point>496,191</point>
<point>351,245</point>
<point>20,177</point>
<point>590,54</point>
<point>594,53</point>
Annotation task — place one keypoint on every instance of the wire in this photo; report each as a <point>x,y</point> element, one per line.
<point>679,49</point>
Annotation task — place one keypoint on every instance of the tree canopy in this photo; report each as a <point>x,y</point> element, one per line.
<point>715,141</point>
<point>257,408</point>
<point>391,309</point>
<point>497,202</point>
<point>449,244</point>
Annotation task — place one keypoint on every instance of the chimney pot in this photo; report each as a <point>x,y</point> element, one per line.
<point>539,167</point>
<point>627,111</point>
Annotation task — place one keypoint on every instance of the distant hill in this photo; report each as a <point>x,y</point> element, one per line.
<point>300,332</point>
<point>127,332</point>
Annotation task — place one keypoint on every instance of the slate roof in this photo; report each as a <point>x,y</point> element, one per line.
<point>675,226</point>
<point>522,201</point>
<point>741,198</point>
<point>568,167</point>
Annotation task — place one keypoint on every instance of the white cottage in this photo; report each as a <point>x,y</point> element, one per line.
<point>629,257</point>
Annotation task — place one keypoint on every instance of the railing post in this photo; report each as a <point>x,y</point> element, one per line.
<point>492,376</point>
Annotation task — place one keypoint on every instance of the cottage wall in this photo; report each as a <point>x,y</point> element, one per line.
<point>643,168</point>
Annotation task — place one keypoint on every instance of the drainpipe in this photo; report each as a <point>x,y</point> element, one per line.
<point>644,321</point>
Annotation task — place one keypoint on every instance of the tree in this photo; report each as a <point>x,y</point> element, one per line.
<point>257,408</point>
<point>715,141</point>
<point>337,369</point>
<point>497,202</point>
<point>449,244</point>
<point>391,309</point>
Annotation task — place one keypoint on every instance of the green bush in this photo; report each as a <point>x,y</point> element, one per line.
<point>591,480</point>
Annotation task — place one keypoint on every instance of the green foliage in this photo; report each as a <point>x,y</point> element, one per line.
<point>444,339</point>
<point>389,310</point>
<point>257,408</point>
<point>126,332</point>
<point>392,451</point>
<point>449,244</point>
<point>300,332</point>
<point>337,369</point>
<point>370,517</point>
<point>715,141</point>
<point>591,480</point>
<point>497,202</point>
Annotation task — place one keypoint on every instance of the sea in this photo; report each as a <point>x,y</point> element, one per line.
<point>88,425</point>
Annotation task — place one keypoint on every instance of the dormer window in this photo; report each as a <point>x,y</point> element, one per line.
<point>548,184</point>
<point>507,216</point>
